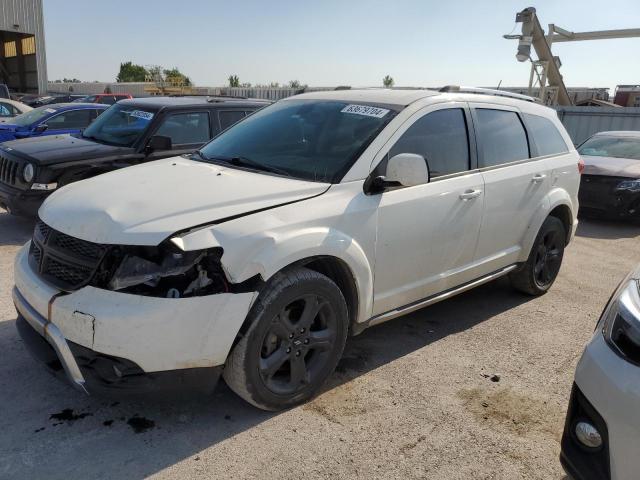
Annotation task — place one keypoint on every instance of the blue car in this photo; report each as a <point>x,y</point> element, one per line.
<point>54,119</point>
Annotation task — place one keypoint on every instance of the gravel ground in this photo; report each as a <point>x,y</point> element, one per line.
<point>412,398</point>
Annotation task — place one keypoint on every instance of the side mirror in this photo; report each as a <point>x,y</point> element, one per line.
<point>407,170</point>
<point>41,128</point>
<point>158,142</point>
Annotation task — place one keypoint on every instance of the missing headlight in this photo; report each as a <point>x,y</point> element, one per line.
<point>163,272</point>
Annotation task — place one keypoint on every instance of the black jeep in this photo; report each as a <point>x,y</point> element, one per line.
<point>128,133</point>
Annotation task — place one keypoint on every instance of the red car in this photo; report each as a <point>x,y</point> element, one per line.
<point>106,98</point>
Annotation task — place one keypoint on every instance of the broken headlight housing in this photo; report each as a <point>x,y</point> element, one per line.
<point>629,185</point>
<point>621,320</point>
<point>163,271</point>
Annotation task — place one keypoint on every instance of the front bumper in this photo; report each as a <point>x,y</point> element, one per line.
<point>599,198</point>
<point>151,335</point>
<point>103,375</point>
<point>611,385</point>
<point>21,202</point>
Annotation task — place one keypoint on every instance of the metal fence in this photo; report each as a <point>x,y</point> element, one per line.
<point>582,122</point>
<point>137,89</point>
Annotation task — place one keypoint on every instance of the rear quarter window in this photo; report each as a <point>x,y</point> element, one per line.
<point>545,135</point>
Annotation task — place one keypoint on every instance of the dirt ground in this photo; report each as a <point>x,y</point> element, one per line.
<point>472,388</point>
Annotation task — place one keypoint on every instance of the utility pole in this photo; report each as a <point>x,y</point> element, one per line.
<point>546,69</point>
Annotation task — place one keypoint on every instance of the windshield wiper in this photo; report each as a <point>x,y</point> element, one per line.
<point>247,162</point>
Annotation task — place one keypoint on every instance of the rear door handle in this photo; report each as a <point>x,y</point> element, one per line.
<point>469,194</point>
<point>538,178</point>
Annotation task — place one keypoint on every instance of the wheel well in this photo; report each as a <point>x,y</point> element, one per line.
<point>563,213</point>
<point>338,271</point>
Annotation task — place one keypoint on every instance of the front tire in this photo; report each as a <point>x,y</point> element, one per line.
<point>297,332</point>
<point>541,268</point>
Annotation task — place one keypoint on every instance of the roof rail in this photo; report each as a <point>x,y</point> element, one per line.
<point>487,91</point>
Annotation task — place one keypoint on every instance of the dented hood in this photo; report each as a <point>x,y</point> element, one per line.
<point>145,204</point>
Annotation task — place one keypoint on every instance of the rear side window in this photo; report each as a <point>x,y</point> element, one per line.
<point>71,119</point>
<point>441,138</point>
<point>545,135</point>
<point>186,128</point>
<point>502,137</point>
<point>228,118</point>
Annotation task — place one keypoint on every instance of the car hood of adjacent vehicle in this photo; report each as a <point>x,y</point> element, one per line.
<point>611,166</point>
<point>145,204</point>
<point>54,149</point>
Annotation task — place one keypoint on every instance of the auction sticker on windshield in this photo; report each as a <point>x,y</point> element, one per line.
<point>141,114</point>
<point>50,110</point>
<point>365,110</point>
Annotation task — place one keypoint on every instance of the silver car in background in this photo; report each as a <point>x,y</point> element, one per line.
<point>602,431</point>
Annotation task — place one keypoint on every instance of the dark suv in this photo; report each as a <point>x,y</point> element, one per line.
<point>127,133</point>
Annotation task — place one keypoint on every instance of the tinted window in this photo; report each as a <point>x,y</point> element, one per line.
<point>311,139</point>
<point>441,138</point>
<point>604,146</point>
<point>502,137</point>
<point>545,135</point>
<point>229,118</point>
<point>6,110</point>
<point>70,119</point>
<point>186,128</point>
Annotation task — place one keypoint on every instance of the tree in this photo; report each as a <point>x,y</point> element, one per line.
<point>175,76</point>
<point>387,81</point>
<point>234,81</point>
<point>130,72</point>
<point>294,84</point>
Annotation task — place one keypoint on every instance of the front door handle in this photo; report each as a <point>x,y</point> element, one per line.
<point>538,178</point>
<point>469,194</point>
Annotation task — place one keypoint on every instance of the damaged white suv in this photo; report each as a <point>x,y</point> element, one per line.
<point>309,220</point>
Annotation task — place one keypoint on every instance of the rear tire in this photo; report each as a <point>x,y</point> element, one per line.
<point>539,272</point>
<point>297,332</point>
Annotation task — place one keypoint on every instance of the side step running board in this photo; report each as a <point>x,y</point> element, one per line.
<point>412,307</point>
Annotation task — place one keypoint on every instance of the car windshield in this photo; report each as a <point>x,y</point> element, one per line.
<point>618,147</point>
<point>308,139</point>
<point>120,125</point>
<point>32,116</point>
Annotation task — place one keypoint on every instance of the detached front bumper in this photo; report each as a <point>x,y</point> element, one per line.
<point>105,341</point>
<point>21,202</point>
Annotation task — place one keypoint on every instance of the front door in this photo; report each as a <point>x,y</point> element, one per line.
<point>427,234</point>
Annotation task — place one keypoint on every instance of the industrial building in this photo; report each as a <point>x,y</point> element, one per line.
<point>23,65</point>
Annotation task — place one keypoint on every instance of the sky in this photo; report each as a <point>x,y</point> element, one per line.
<point>332,42</point>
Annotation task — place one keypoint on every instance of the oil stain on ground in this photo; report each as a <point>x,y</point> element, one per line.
<point>518,413</point>
<point>67,415</point>
<point>140,424</point>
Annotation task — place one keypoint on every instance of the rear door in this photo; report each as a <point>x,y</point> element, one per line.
<point>516,183</point>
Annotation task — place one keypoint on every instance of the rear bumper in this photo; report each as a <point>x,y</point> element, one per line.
<point>21,202</point>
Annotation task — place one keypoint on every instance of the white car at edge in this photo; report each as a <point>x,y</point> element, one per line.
<point>602,428</point>
<point>310,220</point>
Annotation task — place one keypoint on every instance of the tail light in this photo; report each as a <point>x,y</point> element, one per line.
<point>580,165</point>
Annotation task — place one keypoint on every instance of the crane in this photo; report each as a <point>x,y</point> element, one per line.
<point>546,69</point>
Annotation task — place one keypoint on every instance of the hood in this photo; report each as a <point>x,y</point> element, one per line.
<point>145,204</point>
<point>52,149</point>
<point>611,166</point>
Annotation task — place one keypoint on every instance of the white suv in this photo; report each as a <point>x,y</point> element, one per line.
<point>312,219</point>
